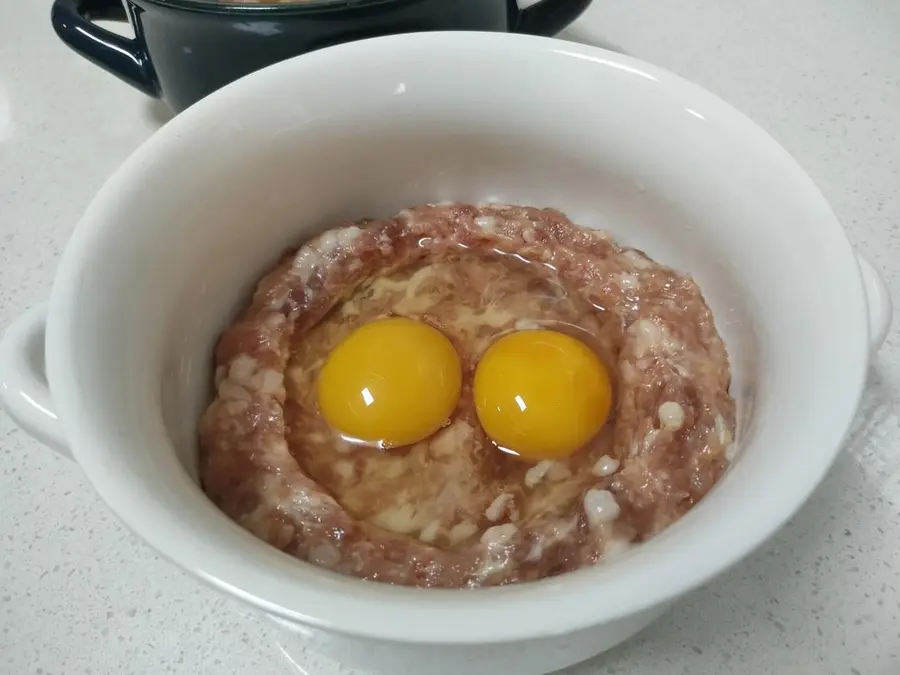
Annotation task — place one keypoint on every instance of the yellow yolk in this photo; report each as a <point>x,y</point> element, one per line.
<point>541,394</point>
<point>393,381</point>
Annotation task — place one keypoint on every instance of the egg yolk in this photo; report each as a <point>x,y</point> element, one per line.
<point>392,382</point>
<point>541,394</point>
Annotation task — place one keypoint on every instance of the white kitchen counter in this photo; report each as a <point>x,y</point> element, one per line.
<point>79,594</point>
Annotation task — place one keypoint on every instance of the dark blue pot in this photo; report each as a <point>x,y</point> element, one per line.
<point>186,49</point>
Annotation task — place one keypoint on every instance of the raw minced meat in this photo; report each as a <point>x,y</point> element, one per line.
<point>453,511</point>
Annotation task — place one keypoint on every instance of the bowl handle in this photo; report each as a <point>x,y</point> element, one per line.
<point>546,17</point>
<point>126,59</point>
<point>879,300</point>
<point>24,392</point>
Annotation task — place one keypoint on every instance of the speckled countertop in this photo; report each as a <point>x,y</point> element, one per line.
<point>79,595</point>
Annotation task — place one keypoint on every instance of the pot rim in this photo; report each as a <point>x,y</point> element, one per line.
<point>260,10</point>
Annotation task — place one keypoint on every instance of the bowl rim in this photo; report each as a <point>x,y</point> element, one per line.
<point>350,606</point>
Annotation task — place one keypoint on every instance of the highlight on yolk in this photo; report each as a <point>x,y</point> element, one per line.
<point>393,381</point>
<point>541,394</point>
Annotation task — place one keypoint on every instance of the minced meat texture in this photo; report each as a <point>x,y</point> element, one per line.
<point>452,511</point>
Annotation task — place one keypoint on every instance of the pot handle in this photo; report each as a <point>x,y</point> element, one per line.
<point>546,17</point>
<point>24,392</point>
<point>878,298</point>
<point>124,58</point>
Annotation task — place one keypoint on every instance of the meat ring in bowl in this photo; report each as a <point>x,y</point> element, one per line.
<point>665,445</point>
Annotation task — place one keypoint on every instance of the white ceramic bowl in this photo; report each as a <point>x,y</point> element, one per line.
<point>176,238</point>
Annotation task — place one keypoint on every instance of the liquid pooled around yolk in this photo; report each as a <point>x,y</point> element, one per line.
<point>541,394</point>
<point>393,382</point>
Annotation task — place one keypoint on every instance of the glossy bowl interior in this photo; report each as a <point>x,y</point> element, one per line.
<point>173,243</point>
